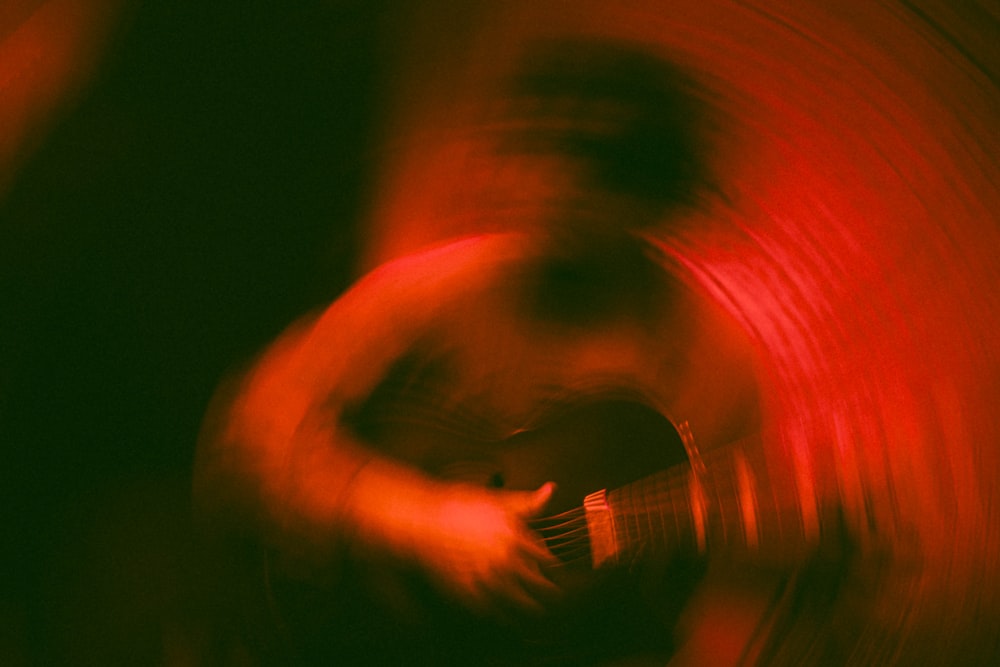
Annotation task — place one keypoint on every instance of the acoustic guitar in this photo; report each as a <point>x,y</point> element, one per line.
<point>629,523</point>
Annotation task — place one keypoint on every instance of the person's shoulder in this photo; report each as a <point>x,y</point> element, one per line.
<point>482,249</point>
<point>472,258</point>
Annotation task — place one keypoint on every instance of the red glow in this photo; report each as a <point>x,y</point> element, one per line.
<point>857,249</point>
<point>47,52</point>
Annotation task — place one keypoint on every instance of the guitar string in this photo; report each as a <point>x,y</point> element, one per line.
<point>666,493</point>
<point>575,511</point>
<point>563,531</point>
<point>459,422</point>
<point>579,536</point>
<point>433,407</point>
<point>544,524</point>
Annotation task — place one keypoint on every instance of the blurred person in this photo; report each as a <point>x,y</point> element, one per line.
<point>392,454</point>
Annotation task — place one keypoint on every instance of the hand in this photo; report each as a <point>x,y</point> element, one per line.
<point>474,544</point>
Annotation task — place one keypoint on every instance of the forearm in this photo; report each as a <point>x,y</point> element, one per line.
<point>278,465</point>
<point>270,463</point>
<point>279,460</point>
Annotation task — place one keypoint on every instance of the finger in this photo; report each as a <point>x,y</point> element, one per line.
<point>532,502</point>
<point>532,577</point>
<point>510,594</point>
<point>502,599</point>
<point>531,545</point>
<point>523,598</point>
<point>474,595</point>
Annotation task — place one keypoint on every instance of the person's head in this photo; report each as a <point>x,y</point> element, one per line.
<point>616,129</point>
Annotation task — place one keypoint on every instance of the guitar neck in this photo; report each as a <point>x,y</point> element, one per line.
<point>732,503</point>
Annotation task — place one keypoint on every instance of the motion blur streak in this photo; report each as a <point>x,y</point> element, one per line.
<point>48,49</point>
<point>856,242</point>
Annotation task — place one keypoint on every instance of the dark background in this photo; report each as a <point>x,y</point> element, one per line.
<point>202,193</point>
<point>206,189</point>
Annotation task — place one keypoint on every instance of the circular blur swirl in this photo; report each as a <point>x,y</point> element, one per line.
<point>855,239</point>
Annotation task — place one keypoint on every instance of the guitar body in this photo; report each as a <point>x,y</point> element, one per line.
<point>584,447</point>
<point>383,612</point>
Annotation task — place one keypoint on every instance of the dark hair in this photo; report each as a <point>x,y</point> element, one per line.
<point>635,121</point>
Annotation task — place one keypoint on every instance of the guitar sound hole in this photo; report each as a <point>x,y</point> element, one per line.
<point>496,481</point>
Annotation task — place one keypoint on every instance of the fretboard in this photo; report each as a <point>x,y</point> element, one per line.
<point>731,503</point>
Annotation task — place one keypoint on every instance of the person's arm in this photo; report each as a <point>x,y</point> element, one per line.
<point>276,456</point>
